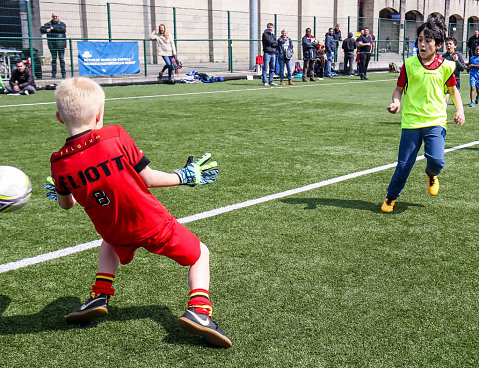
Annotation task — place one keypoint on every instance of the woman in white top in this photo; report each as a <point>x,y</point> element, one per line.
<point>166,48</point>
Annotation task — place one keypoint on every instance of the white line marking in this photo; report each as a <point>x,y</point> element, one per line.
<point>211,92</point>
<point>203,215</point>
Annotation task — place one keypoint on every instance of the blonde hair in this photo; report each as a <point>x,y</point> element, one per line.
<point>166,34</point>
<point>78,100</point>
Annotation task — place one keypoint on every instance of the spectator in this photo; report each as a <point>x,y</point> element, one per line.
<point>457,57</point>
<point>472,43</point>
<point>337,33</point>
<point>270,46</point>
<point>337,37</point>
<point>21,81</point>
<point>329,45</point>
<point>365,47</point>
<point>55,31</point>
<point>474,77</point>
<point>285,53</point>
<point>165,48</point>
<point>309,44</point>
<point>320,62</point>
<point>349,45</point>
<point>358,34</point>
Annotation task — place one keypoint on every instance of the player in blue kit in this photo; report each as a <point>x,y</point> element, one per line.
<point>474,77</point>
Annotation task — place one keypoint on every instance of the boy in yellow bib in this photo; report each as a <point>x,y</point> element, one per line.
<point>425,79</point>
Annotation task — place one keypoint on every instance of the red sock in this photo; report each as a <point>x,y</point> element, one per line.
<point>200,300</point>
<point>103,284</point>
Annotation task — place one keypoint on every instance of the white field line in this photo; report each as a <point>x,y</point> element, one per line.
<point>203,215</point>
<point>210,92</point>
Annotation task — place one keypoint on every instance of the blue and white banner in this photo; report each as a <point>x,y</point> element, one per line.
<point>108,58</point>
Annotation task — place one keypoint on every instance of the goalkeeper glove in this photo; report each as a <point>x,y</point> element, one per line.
<point>50,187</point>
<point>195,173</point>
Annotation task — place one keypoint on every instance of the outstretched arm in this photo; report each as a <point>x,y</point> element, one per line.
<point>155,178</point>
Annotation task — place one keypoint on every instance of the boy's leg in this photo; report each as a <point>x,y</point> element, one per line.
<point>97,305</point>
<point>434,142</point>
<point>198,317</point>
<point>199,273</point>
<point>408,149</point>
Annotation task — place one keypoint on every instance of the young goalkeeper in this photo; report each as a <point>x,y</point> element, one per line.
<point>103,170</point>
<point>424,79</point>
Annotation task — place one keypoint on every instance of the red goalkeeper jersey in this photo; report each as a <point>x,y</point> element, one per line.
<point>101,169</point>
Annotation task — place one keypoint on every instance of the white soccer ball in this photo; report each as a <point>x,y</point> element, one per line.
<point>15,189</point>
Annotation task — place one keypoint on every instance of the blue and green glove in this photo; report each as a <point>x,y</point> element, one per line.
<point>50,187</point>
<point>198,172</point>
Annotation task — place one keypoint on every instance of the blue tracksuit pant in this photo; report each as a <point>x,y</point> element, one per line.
<point>411,139</point>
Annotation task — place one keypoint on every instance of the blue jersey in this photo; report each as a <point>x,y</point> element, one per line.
<point>475,61</point>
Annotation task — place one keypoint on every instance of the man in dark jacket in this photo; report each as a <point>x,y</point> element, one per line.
<point>270,47</point>
<point>55,31</point>
<point>472,43</point>
<point>21,81</point>
<point>329,46</point>
<point>349,45</point>
<point>309,44</point>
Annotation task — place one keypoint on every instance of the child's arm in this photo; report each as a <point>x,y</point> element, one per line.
<point>155,178</point>
<point>394,107</point>
<point>194,173</point>
<point>460,64</point>
<point>459,118</point>
<point>66,202</point>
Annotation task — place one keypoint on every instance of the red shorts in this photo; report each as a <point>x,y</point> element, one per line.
<point>177,243</point>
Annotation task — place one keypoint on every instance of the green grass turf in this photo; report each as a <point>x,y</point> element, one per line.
<point>318,279</point>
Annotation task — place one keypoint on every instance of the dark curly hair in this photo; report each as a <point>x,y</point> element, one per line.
<point>434,27</point>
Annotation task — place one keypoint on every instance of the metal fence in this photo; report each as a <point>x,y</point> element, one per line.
<point>201,35</point>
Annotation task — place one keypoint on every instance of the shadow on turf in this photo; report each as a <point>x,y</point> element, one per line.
<point>51,318</point>
<point>313,203</point>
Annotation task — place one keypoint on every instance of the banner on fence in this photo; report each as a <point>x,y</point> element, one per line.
<point>108,58</point>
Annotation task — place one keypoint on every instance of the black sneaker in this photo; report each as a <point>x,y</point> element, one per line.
<point>203,325</point>
<point>93,308</point>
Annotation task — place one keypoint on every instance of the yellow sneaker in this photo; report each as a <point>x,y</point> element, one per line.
<point>282,83</point>
<point>432,185</point>
<point>388,205</point>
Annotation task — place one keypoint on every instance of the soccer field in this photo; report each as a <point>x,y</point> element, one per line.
<point>312,277</point>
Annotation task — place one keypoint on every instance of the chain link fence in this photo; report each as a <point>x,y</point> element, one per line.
<point>201,35</point>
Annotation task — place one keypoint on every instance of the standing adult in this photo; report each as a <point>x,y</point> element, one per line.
<point>270,46</point>
<point>21,81</point>
<point>329,46</point>
<point>365,47</point>
<point>337,38</point>
<point>349,45</point>
<point>285,53</point>
<point>472,42</point>
<point>309,44</point>
<point>55,30</point>
<point>337,33</point>
<point>165,48</point>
